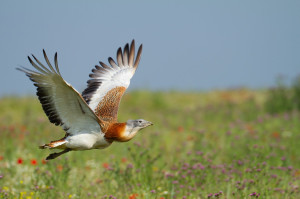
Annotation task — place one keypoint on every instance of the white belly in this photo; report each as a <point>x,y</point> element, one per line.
<point>86,141</point>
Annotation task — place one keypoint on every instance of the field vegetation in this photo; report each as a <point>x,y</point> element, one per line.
<point>220,144</point>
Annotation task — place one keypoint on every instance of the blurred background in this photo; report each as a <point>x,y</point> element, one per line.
<point>190,46</point>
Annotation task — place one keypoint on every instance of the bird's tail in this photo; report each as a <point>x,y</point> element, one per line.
<point>57,144</point>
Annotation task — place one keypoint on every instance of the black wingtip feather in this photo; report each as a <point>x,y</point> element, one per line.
<point>138,56</point>
<point>119,57</point>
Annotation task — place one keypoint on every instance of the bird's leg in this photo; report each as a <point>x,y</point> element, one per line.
<point>55,155</point>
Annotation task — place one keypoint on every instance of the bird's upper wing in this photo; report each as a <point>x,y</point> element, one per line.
<point>108,83</point>
<point>62,104</point>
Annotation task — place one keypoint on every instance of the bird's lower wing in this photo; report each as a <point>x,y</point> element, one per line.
<point>63,105</point>
<point>108,83</point>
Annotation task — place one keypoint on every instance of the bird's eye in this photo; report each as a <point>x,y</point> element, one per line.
<point>140,121</point>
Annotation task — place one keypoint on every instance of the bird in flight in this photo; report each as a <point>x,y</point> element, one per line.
<point>89,119</point>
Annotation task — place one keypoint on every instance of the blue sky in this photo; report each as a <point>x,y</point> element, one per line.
<point>187,45</point>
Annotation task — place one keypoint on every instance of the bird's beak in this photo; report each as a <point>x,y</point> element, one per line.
<point>149,123</point>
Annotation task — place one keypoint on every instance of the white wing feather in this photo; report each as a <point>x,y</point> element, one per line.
<point>105,78</point>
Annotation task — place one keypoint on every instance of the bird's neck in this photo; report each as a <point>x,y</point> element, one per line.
<point>119,132</point>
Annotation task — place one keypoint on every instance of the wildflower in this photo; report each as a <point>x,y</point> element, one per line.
<point>44,161</point>
<point>59,167</point>
<point>275,135</point>
<point>154,168</point>
<point>248,170</point>
<point>240,162</point>
<point>33,162</point>
<point>129,166</point>
<point>153,191</point>
<point>1,157</point>
<point>133,196</point>
<point>105,165</point>
<point>254,194</point>
<point>22,194</point>
<point>209,195</point>
<point>124,160</point>
<point>20,161</point>
<point>180,129</point>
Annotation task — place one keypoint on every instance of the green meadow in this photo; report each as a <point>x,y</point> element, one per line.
<point>218,144</point>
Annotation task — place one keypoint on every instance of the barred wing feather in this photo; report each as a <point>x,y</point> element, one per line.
<point>63,105</point>
<point>108,83</point>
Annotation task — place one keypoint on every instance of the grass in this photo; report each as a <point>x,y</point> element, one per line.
<point>221,144</point>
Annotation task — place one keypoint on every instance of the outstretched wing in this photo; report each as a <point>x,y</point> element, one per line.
<point>108,83</point>
<point>63,105</point>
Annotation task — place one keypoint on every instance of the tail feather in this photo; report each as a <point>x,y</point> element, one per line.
<point>57,144</point>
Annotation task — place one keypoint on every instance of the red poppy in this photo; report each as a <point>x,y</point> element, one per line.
<point>124,160</point>
<point>33,162</point>
<point>275,135</point>
<point>180,129</point>
<point>133,196</point>
<point>20,161</point>
<point>105,165</point>
<point>44,161</point>
<point>59,167</point>
<point>1,157</point>
<point>23,128</point>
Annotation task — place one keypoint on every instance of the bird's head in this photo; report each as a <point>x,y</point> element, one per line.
<point>133,126</point>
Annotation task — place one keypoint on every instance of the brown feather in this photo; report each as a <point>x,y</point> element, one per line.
<point>107,109</point>
<point>115,132</point>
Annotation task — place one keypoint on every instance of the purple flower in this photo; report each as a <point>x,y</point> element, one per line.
<point>129,166</point>
<point>252,194</point>
<point>153,191</point>
<point>240,162</point>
